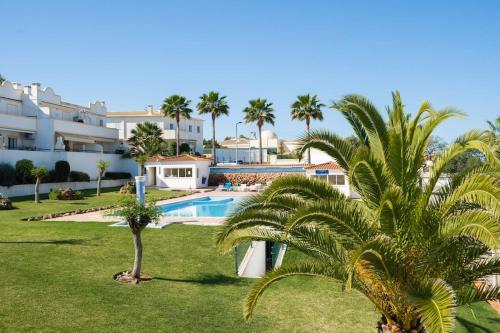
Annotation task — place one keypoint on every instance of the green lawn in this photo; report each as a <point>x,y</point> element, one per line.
<point>57,276</point>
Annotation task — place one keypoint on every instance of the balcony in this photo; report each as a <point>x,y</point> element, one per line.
<point>17,123</point>
<point>71,127</point>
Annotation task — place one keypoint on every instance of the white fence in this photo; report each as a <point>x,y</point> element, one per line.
<point>78,161</point>
<point>29,189</point>
<point>228,155</point>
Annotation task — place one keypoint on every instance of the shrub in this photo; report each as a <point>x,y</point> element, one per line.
<point>62,170</point>
<point>66,194</point>
<point>5,203</point>
<point>23,171</point>
<point>128,188</point>
<point>7,175</point>
<point>117,175</point>
<point>78,176</point>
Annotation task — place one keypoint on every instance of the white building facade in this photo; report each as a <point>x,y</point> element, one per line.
<point>191,130</point>
<point>36,124</point>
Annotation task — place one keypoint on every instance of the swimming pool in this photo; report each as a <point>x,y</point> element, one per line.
<point>263,169</point>
<point>201,207</point>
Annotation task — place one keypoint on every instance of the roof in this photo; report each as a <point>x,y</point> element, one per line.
<point>180,158</point>
<point>324,166</point>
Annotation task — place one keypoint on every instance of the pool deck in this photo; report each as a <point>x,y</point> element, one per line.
<point>100,216</point>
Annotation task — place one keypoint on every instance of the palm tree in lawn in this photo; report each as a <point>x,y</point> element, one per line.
<point>216,106</point>
<point>101,165</point>
<point>138,216</point>
<point>146,141</point>
<point>416,251</point>
<point>305,108</point>
<point>175,107</point>
<point>261,112</point>
<point>39,173</point>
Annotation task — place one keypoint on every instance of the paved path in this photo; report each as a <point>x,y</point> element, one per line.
<point>102,216</point>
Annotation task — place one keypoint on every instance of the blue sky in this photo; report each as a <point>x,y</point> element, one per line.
<point>134,53</point>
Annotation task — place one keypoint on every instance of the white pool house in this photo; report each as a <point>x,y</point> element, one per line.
<point>178,172</point>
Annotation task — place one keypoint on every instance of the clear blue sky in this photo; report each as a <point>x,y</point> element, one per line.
<point>135,53</point>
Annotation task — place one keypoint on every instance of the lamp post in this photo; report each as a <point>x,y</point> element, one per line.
<point>237,140</point>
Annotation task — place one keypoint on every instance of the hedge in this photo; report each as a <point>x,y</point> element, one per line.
<point>7,175</point>
<point>78,176</point>
<point>61,171</point>
<point>117,175</point>
<point>23,172</point>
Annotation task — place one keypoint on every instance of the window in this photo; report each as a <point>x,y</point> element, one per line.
<point>12,143</point>
<point>198,129</point>
<point>190,128</point>
<point>171,126</point>
<point>332,179</point>
<point>178,172</point>
<point>101,122</point>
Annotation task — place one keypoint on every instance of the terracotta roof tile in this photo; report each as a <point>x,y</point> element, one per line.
<point>180,158</point>
<point>324,166</point>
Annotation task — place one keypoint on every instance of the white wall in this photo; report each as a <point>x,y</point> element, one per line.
<point>29,189</point>
<point>78,161</point>
<point>200,169</point>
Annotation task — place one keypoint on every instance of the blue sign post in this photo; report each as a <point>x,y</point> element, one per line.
<point>140,188</point>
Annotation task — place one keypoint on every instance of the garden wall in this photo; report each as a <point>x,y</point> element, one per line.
<point>245,178</point>
<point>78,161</point>
<point>29,189</point>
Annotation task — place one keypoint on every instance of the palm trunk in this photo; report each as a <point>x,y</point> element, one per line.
<point>177,135</point>
<point>37,190</point>
<point>213,139</point>
<point>391,327</point>
<point>136,272</point>
<point>309,149</point>
<point>141,172</point>
<point>260,144</point>
<point>99,185</point>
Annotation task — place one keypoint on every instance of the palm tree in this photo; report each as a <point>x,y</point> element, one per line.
<point>138,216</point>
<point>146,141</point>
<point>216,106</point>
<point>494,132</point>
<point>101,165</point>
<point>261,112</point>
<point>307,107</point>
<point>39,173</point>
<point>417,252</point>
<point>176,107</point>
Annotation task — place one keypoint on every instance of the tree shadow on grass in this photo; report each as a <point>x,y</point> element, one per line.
<point>473,327</point>
<point>207,279</point>
<point>50,241</point>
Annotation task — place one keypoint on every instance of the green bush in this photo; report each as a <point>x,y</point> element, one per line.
<point>78,176</point>
<point>117,175</point>
<point>62,170</point>
<point>5,203</point>
<point>66,194</point>
<point>23,171</point>
<point>7,175</point>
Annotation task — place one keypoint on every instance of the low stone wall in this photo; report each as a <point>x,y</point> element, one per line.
<point>245,178</point>
<point>29,189</point>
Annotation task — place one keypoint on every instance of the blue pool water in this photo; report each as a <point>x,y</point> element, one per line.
<point>266,169</point>
<point>201,207</point>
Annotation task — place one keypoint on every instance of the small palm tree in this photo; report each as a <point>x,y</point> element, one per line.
<point>261,112</point>
<point>305,108</point>
<point>416,251</point>
<point>102,165</point>
<point>39,173</point>
<point>146,141</point>
<point>175,107</point>
<point>216,106</point>
<point>138,216</point>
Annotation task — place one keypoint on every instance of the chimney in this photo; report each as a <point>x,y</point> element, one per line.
<point>35,84</point>
<point>149,109</point>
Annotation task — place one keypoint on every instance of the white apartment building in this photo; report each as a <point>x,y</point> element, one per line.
<point>191,130</point>
<point>36,124</point>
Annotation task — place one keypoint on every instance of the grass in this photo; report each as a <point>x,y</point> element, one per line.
<point>57,276</point>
